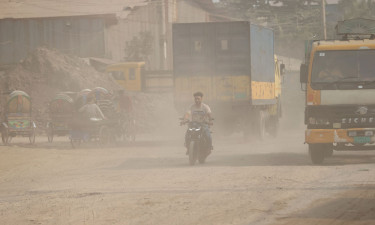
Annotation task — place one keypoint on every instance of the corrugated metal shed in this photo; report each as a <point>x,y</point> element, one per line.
<point>74,27</point>
<point>18,9</point>
<point>81,36</point>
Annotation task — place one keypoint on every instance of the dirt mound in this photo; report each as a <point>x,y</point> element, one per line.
<point>46,72</point>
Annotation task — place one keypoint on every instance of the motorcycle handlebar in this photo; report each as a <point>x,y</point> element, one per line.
<point>188,121</point>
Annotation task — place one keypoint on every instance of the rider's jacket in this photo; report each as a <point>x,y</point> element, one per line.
<point>199,113</point>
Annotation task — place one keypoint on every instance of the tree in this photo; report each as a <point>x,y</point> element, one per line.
<point>293,21</point>
<point>139,48</point>
<point>357,8</point>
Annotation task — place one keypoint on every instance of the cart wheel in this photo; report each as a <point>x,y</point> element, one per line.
<point>104,136</point>
<point>32,137</point>
<point>50,133</point>
<point>132,131</point>
<point>50,137</point>
<point>75,142</point>
<point>129,130</point>
<point>5,136</point>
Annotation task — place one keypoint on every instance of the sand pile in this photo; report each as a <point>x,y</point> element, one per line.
<point>46,72</point>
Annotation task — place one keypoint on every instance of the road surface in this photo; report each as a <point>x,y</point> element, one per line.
<point>150,182</point>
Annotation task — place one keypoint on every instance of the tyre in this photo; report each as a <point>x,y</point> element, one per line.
<point>192,153</point>
<point>328,153</point>
<point>132,131</point>
<point>75,142</point>
<point>262,125</point>
<point>32,137</point>
<point>273,126</point>
<point>50,137</point>
<point>317,153</point>
<point>5,136</point>
<point>50,133</point>
<point>129,130</point>
<point>202,157</point>
<point>104,136</point>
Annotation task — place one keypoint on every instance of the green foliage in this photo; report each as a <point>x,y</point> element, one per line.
<point>357,8</point>
<point>289,18</point>
<point>140,47</point>
<point>293,21</point>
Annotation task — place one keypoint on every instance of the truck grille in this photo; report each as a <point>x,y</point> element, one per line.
<point>346,116</point>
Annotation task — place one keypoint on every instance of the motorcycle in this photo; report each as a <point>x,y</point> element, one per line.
<point>197,145</point>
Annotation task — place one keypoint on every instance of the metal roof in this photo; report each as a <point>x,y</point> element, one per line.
<point>18,9</point>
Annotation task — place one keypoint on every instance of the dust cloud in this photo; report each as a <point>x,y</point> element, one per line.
<point>46,72</point>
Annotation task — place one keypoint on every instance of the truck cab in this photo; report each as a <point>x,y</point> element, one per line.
<point>340,89</point>
<point>128,75</point>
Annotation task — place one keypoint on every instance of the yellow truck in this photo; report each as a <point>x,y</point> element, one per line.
<point>132,76</point>
<point>234,65</point>
<point>339,78</point>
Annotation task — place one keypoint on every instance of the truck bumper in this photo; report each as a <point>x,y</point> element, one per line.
<point>338,136</point>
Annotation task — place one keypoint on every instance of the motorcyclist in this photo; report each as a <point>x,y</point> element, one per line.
<point>199,112</point>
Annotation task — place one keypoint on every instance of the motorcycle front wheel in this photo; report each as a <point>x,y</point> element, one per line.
<point>192,153</point>
<point>202,157</point>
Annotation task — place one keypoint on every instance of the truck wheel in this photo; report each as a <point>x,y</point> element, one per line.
<point>262,125</point>
<point>317,153</point>
<point>328,153</point>
<point>273,126</point>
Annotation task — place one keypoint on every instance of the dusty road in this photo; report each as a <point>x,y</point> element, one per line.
<point>150,181</point>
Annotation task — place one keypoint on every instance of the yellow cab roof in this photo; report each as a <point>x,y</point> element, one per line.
<point>344,45</point>
<point>125,64</point>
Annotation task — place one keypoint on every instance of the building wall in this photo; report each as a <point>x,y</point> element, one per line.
<point>97,36</point>
<point>182,11</point>
<point>82,36</point>
<point>156,18</point>
<point>141,19</point>
<point>190,12</point>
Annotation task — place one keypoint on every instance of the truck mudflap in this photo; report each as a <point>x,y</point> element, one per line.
<point>355,135</point>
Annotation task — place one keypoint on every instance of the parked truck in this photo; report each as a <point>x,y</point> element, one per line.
<point>133,77</point>
<point>234,65</point>
<point>340,88</point>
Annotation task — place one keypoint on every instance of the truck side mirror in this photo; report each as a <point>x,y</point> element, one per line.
<point>282,69</point>
<point>303,73</point>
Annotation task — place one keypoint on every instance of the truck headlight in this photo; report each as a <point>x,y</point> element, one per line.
<point>318,121</point>
<point>352,133</point>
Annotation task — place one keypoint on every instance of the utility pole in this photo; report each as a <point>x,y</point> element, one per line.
<point>164,33</point>
<point>324,19</point>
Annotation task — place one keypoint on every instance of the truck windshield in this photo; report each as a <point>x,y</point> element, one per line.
<point>343,66</point>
